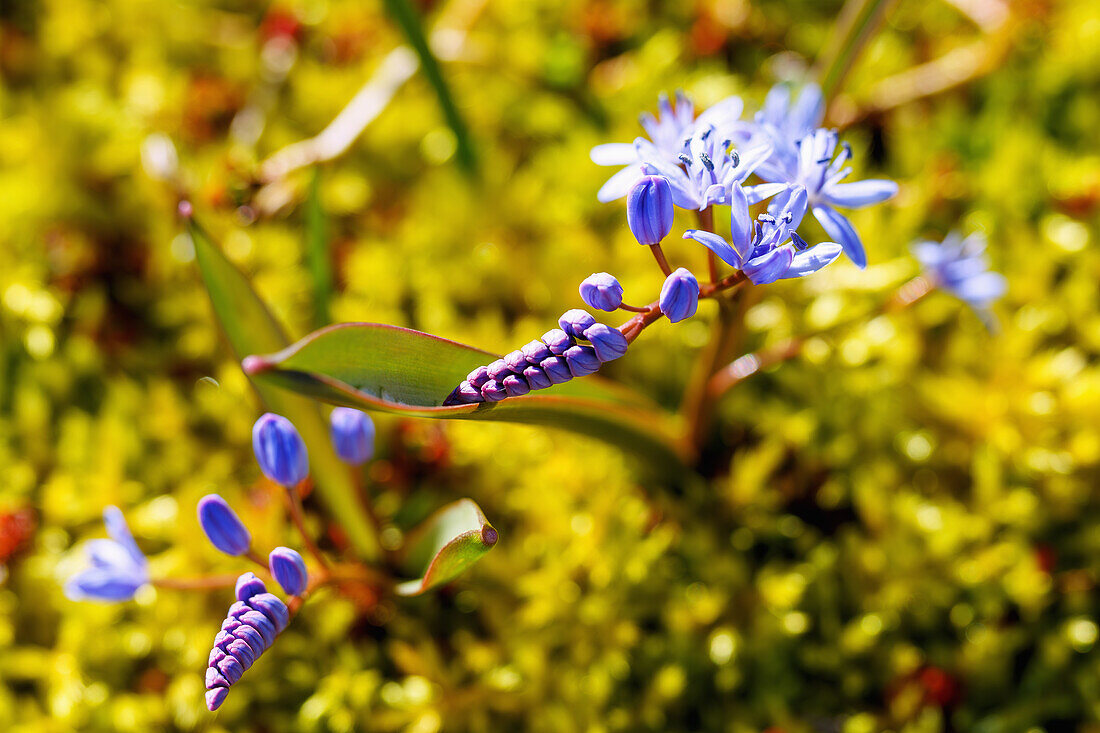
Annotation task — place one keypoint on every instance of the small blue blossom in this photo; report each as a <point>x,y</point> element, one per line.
<point>222,526</point>
<point>601,291</point>
<point>118,568</point>
<point>352,433</point>
<point>280,450</point>
<point>668,139</point>
<point>820,173</point>
<point>289,569</point>
<point>768,249</point>
<point>679,295</point>
<point>649,210</point>
<point>960,267</point>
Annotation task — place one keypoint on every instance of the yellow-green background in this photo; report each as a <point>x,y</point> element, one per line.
<point>899,530</point>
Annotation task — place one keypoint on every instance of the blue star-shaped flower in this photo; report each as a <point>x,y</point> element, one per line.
<point>117,568</point>
<point>960,267</point>
<point>768,249</point>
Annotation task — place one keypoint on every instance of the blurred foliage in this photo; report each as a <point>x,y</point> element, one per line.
<point>898,531</point>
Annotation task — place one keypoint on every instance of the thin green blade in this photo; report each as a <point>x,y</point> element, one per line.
<point>445,545</point>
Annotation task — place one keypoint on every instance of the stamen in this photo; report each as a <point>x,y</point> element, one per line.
<point>685,158</point>
<point>707,162</point>
<point>788,217</point>
<point>735,158</point>
<point>767,218</point>
<point>799,243</point>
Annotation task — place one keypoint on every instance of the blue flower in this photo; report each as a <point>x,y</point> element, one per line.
<point>289,570</point>
<point>352,433</point>
<point>960,267</point>
<point>222,526</point>
<point>785,123</point>
<point>668,139</point>
<point>117,569</point>
<point>601,291</point>
<point>280,450</point>
<point>820,173</point>
<point>679,295</point>
<point>768,249</point>
<point>649,209</point>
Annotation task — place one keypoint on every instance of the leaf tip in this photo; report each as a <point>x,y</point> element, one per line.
<point>255,365</point>
<point>489,536</point>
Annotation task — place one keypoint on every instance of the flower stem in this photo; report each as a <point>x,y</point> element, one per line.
<point>256,558</point>
<point>659,255</point>
<point>648,315</point>
<point>294,510</point>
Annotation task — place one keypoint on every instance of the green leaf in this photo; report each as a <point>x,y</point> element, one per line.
<point>855,26</point>
<point>445,545</point>
<point>377,367</point>
<point>405,15</point>
<point>250,327</point>
<point>316,251</point>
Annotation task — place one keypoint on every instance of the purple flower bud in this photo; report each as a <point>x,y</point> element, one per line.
<point>242,652</point>
<point>557,341</point>
<point>262,624</point>
<point>352,435</point>
<point>222,526</point>
<point>222,639</point>
<point>602,291</point>
<point>535,352</point>
<point>556,369</point>
<point>229,626</point>
<point>464,394</point>
<point>275,610</point>
<point>536,377</point>
<point>497,371</point>
<point>582,360</point>
<point>280,450</point>
<point>516,361</point>
<point>493,391</point>
<point>575,321</point>
<point>289,570</point>
<point>214,678</point>
<point>215,697</point>
<point>252,637</point>
<point>231,669</point>
<point>216,655</point>
<point>249,585</point>
<point>679,295</point>
<point>238,609</point>
<point>609,343</point>
<point>649,209</point>
<point>515,386</point>
<point>478,377</point>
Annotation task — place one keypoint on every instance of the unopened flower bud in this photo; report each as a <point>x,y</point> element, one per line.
<point>535,352</point>
<point>222,526</point>
<point>679,295</point>
<point>557,369</point>
<point>602,291</point>
<point>352,435</point>
<point>289,570</point>
<point>215,697</point>
<point>608,343</point>
<point>575,321</point>
<point>275,610</point>
<point>557,341</point>
<point>249,585</point>
<point>649,209</point>
<point>582,361</point>
<point>536,377</point>
<point>493,391</point>
<point>515,386</point>
<point>280,450</point>
<point>498,370</point>
<point>478,377</point>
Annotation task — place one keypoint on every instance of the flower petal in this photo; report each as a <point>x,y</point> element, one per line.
<point>99,584</point>
<point>861,193</point>
<point>808,112</point>
<point>619,185</point>
<point>120,533</point>
<point>983,288</point>
<point>762,191</point>
<point>108,554</point>
<point>715,244</point>
<point>813,259</point>
<point>740,223</point>
<point>769,267</point>
<point>613,154</point>
<point>840,229</point>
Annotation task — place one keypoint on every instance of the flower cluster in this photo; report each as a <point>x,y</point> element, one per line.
<point>557,357</point>
<point>249,629</point>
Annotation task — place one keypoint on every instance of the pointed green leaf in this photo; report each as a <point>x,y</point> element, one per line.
<point>317,250</point>
<point>377,367</point>
<point>250,327</point>
<point>445,545</point>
